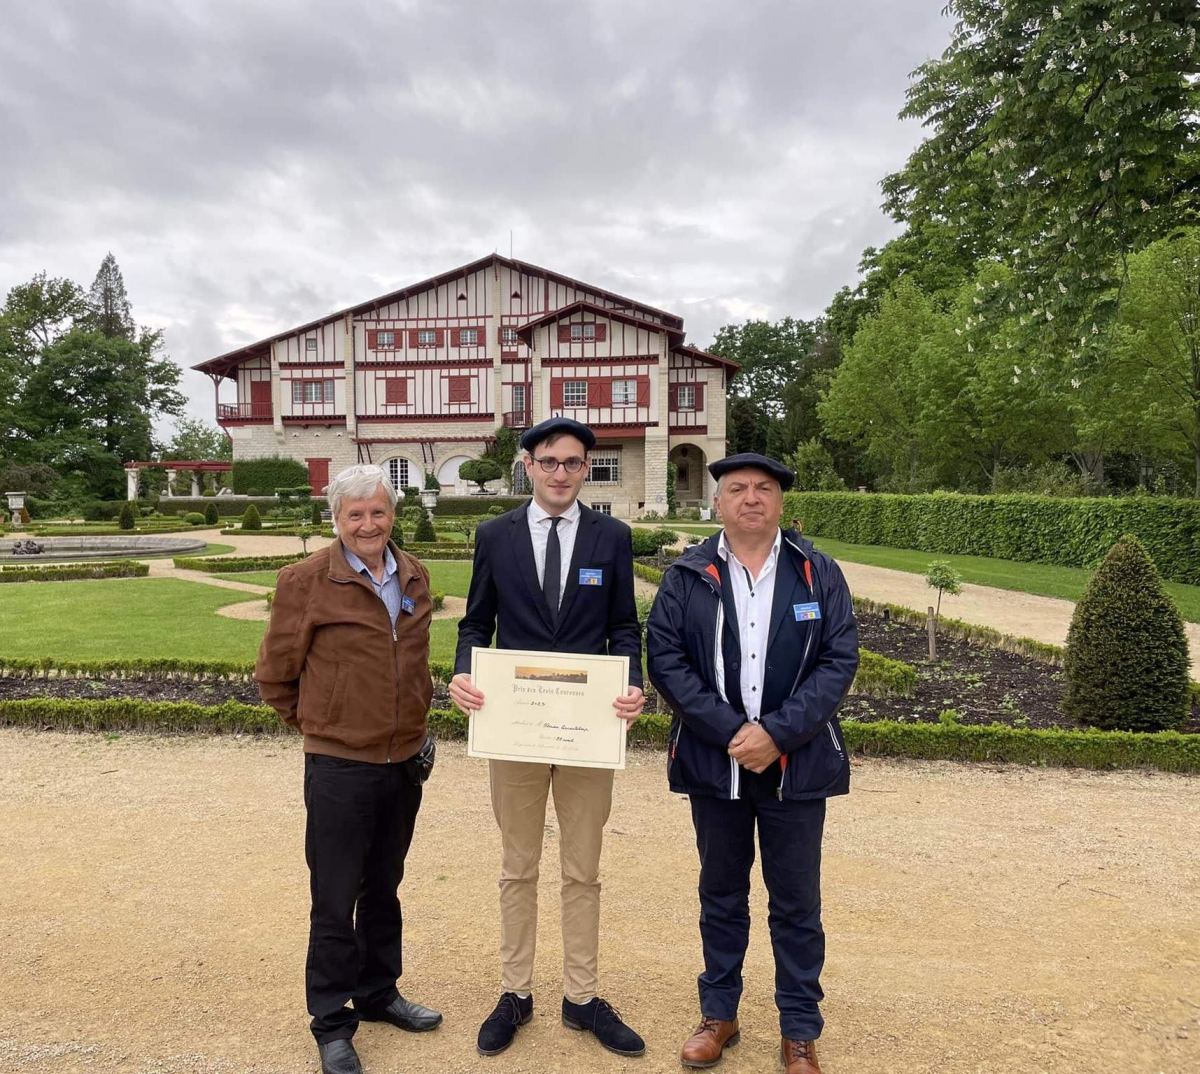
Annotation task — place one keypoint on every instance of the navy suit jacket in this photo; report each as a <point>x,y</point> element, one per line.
<point>506,599</point>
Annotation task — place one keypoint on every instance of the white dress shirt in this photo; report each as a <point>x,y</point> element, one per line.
<point>752,600</point>
<point>539,532</point>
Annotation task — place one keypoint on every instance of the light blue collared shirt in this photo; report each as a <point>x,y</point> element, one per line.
<point>388,590</point>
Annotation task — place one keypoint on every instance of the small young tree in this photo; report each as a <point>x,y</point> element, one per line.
<point>424,530</point>
<point>945,579</point>
<point>1127,653</point>
<point>466,526</point>
<point>432,484</point>
<point>126,521</point>
<point>211,515</point>
<point>251,520</point>
<point>480,471</point>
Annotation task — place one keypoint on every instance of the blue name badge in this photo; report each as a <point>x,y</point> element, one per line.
<point>806,611</point>
<point>408,606</point>
<point>591,576</point>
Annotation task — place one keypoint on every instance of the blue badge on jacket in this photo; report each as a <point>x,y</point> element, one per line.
<point>591,576</point>
<point>408,606</point>
<point>806,611</point>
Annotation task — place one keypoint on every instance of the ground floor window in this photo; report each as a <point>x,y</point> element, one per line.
<point>520,480</point>
<point>398,472</point>
<point>603,508</point>
<point>606,468</point>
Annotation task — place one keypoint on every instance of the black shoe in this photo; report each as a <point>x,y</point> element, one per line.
<point>498,1031</point>
<point>339,1057</point>
<point>602,1018</point>
<point>403,1014</point>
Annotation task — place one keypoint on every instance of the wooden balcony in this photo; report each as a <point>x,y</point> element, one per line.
<point>243,412</point>
<point>517,419</point>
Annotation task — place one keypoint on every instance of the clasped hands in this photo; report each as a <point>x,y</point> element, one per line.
<point>467,697</point>
<point>753,748</point>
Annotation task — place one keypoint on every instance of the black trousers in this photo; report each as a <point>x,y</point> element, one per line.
<point>789,834</point>
<point>360,825</point>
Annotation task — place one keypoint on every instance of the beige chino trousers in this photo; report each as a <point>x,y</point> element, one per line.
<point>583,801</point>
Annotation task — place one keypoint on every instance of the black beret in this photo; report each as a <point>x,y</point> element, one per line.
<point>553,426</point>
<point>752,460</point>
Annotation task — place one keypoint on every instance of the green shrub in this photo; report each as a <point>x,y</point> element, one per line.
<point>424,531</point>
<point>315,517</point>
<point>880,676</point>
<point>414,513</point>
<point>1127,653</point>
<point>650,542</point>
<point>1042,529</point>
<point>127,520</point>
<point>211,515</point>
<point>439,599</point>
<point>480,471</point>
<point>233,564</point>
<point>267,473</point>
<point>473,505</point>
<point>194,518</point>
<point>412,495</point>
<point>208,492</point>
<point>70,572</point>
<point>650,574</point>
<point>251,519</point>
<point>397,534</point>
<point>432,484</point>
<point>495,510</point>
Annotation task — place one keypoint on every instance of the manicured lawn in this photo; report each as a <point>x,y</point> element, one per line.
<point>253,577</point>
<point>1038,578</point>
<point>452,577</point>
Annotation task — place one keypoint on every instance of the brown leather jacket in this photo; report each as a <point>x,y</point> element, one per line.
<point>333,665</point>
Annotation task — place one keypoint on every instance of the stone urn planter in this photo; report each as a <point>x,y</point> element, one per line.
<point>429,499</point>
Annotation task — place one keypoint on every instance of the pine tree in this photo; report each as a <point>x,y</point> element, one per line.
<point>112,316</point>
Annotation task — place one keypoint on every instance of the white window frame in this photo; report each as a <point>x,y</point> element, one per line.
<point>520,397</point>
<point>520,484</point>
<point>393,467</point>
<point>301,388</point>
<point>628,393</point>
<point>310,344</point>
<point>472,333</point>
<point>583,333</point>
<point>571,392</point>
<point>603,508</point>
<point>426,337</point>
<point>609,461</point>
<point>508,336</point>
<point>690,403</point>
<point>385,339</point>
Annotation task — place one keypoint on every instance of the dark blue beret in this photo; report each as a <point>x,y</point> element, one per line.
<point>751,459</point>
<point>553,426</point>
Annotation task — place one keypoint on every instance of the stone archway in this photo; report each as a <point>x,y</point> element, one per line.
<point>691,478</point>
<point>447,475</point>
<point>402,471</point>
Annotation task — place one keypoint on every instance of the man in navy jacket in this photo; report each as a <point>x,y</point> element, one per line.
<point>753,644</point>
<point>552,576</point>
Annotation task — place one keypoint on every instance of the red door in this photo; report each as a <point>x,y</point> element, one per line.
<point>318,475</point>
<point>260,399</point>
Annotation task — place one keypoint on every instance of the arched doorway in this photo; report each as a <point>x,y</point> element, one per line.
<point>691,473</point>
<point>448,475</point>
<point>520,480</point>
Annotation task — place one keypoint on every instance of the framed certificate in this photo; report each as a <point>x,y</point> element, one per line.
<point>549,708</point>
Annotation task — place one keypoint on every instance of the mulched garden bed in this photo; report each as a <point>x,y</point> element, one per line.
<point>983,685</point>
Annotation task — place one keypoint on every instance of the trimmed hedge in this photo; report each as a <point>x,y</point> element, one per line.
<point>650,574</point>
<point>1168,751</point>
<point>234,564</point>
<point>133,668</point>
<point>270,472</point>
<point>277,531</point>
<point>147,529</point>
<point>70,572</point>
<point>1040,529</point>
<point>881,676</point>
<point>474,505</point>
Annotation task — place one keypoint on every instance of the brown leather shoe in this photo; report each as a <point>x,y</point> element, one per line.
<point>708,1040</point>
<point>800,1056</point>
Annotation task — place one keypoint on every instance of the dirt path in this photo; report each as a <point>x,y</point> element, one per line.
<point>154,914</point>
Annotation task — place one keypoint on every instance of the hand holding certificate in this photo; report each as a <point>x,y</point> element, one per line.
<point>549,708</point>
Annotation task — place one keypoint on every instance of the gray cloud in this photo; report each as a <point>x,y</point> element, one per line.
<point>254,165</point>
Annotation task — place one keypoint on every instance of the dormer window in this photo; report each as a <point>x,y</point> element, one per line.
<point>310,344</point>
<point>583,333</point>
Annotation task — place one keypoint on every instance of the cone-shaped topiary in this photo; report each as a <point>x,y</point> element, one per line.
<point>424,530</point>
<point>211,516</point>
<point>397,534</point>
<point>126,519</point>
<point>316,514</point>
<point>1127,654</point>
<point>251,519</point>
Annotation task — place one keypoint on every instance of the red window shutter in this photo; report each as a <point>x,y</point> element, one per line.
<point>601,333</point>
<point>556,393</point>
<point>455,337</point>
<point>700,396</point>
<point>564,333</point>
<point>643,391</point>
<point>672,396</point>
<point>459,389</point>
<point>600,393</point>
<point>440,337</point>
<point>412,337</point>
<point>396,391</point>
<point>371,337</point>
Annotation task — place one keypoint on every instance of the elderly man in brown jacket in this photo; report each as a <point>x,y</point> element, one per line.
<point>346,660</point>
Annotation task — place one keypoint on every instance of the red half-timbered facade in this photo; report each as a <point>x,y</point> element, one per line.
<point>418,381</point>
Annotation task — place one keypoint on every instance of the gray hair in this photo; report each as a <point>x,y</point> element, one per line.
<point>358,483</point>
<point>721,482</point>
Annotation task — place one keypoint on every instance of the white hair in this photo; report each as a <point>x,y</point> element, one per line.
<point>358,483</point>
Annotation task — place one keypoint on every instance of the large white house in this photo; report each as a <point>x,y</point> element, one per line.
<point>418,381</point>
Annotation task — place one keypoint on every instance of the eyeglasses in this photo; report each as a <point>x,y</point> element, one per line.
<point>572,466</point>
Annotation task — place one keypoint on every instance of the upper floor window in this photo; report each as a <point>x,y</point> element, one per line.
<point>624,393</point>
<point>310,344</point>
<point>384,339</point>
<point>458,389</point>
<point>605,469</point>
<point>427,337</point>
<point>312,391</point>
<point>575,393</point>
<point>508,336</point>
<point>468,337</point>
<point>583,333</point>
<point>686,395</point>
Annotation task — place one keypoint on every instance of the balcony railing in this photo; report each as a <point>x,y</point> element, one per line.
<point>517,419</point>
<point>243,412</point>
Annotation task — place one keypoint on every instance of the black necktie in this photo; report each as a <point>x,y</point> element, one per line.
<point>552,578</point>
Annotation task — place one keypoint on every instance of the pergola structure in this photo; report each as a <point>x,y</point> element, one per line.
<point>172,466</point>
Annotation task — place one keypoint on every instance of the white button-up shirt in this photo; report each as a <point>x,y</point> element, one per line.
<point>752,600</point>
<point>539,532</point>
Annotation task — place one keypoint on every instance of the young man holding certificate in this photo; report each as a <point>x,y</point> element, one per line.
<point>552,576</point>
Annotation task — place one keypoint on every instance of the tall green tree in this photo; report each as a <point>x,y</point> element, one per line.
<point>1063,138</point>
<point>772,355</point>
<point>195,439</point>
<point>111,313</point>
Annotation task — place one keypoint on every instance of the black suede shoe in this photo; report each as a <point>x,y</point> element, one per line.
<point>403,1014</point>
<point>339,1057</point>
<point>501,1026</point>
<point>602,1018</point>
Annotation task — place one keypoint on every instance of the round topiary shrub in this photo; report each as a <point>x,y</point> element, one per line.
<point>194,518</point>
<point>1127,653</point>
<point>251,519</point>
<point>211,515</point>
<point>424,530</point>
<point>414,514</point>
<point>125,519</point>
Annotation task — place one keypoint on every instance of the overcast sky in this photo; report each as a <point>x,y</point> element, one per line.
<point>255,164</point>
